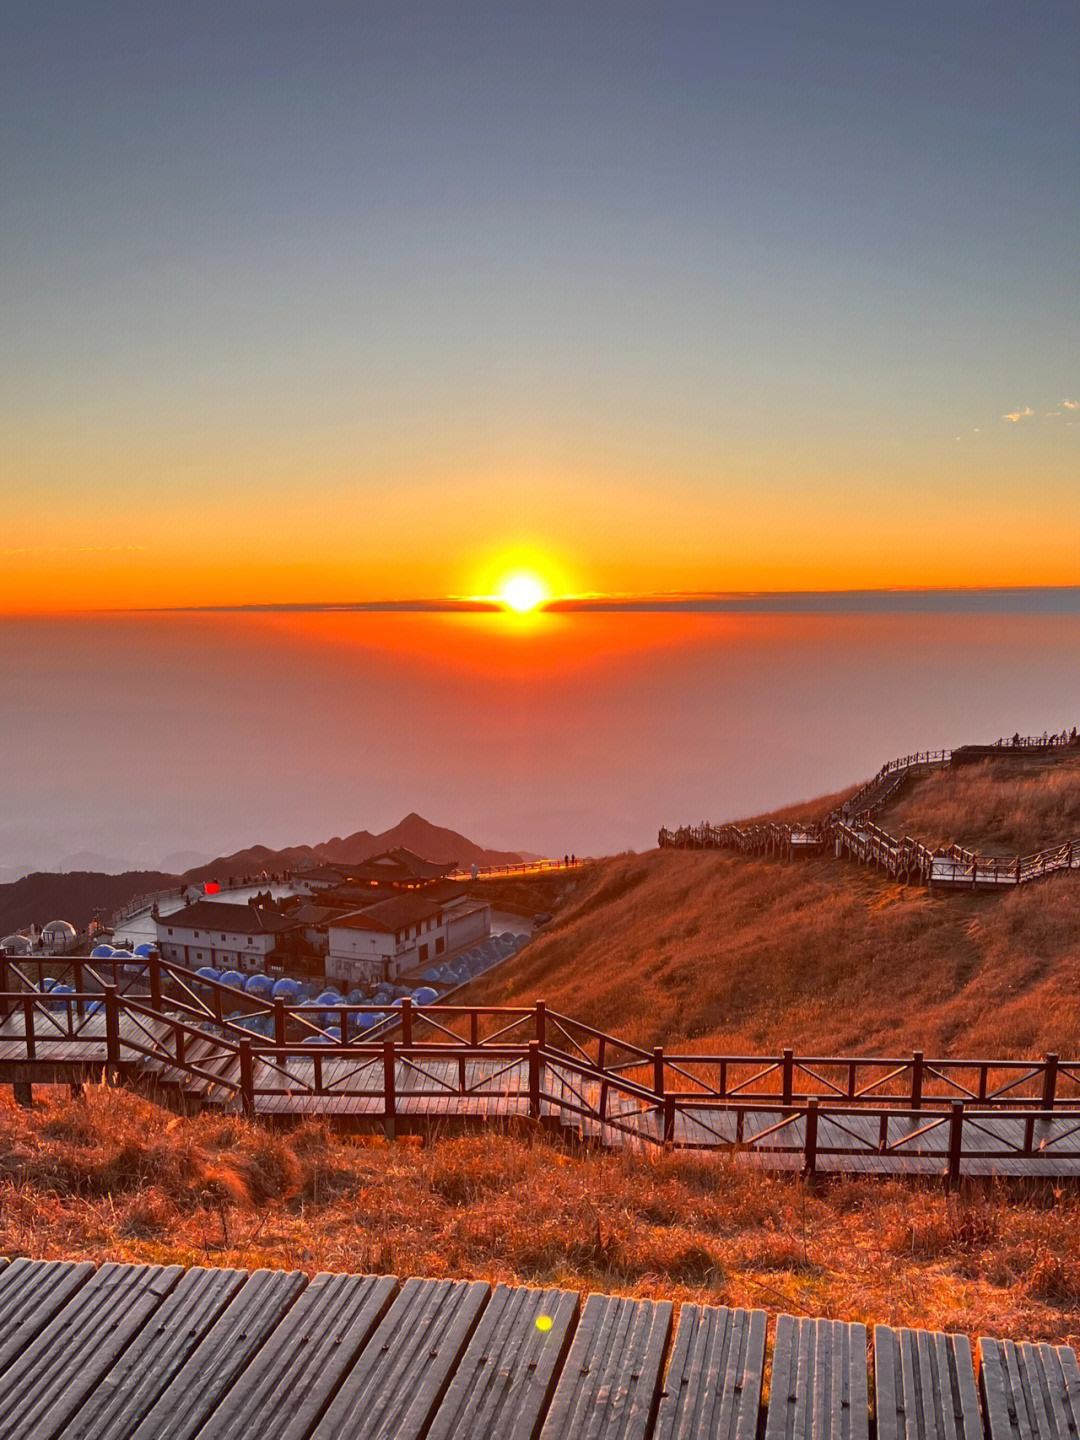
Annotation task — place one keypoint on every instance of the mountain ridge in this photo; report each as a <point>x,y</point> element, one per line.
<point>433,842</point>
<point>79,895</point>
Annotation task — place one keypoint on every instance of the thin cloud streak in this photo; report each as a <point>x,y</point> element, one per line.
<point>1057,600</point>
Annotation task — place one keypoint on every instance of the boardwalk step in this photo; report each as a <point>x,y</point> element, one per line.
<point>31,1293</point>
<point>194,1391</point>
<point>714,1378</point>
<point>610,1385</point>
<point>925,1386</point>
<point>66,1360</point>
<point>819,1384</point>
<point>1030,1392</point>
<point>402,1373</point>
<point>285,1389</point>
<point>504,1379</point>
<point>115,1407</point>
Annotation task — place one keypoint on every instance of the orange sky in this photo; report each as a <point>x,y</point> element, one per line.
<point>208,545</point>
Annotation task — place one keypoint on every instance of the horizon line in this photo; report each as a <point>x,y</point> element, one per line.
<point>1048,599</point>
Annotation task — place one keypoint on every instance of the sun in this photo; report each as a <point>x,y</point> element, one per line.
<point>522,592</point>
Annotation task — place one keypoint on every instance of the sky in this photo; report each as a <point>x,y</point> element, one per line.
<point>338,302</point>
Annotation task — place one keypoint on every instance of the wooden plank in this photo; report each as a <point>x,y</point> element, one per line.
<point>135,1380</point>
<point>503,1381</point>
<point>713,1386</point>
<point>820,1387</point>
<point>286,1388</point>
<point>402,1373</point>
<point>214,1366</point>
<point>1029,1392</point>
<point>31,1292</point>
<point>59,1368</point>
<point>925,1386</point>
<point>610,1385</point>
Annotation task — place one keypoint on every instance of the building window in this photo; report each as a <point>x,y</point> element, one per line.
<point>423,952</point>
<point>440,945</point>
<point>170,931</point>
<point>223,937</point>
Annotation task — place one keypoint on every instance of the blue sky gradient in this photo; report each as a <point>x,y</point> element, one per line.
<point>692,295</point>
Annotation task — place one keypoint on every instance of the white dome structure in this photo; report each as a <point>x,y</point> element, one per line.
<point>59,935</point>
<point>15,945</point>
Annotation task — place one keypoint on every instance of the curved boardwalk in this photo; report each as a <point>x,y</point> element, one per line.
<point>189,1042</point>
<point>150,1352</point>
<point>851,830</point>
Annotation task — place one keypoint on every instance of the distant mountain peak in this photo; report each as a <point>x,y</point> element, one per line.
<point>414,832</point>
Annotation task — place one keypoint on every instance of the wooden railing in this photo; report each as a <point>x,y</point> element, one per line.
<point>851,830</point>
<point>913,1109</point>
<point>174,997</point>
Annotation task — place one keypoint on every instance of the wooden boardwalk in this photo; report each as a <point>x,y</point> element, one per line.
<point>186,1041</point>
<point>850,830</point>
<point>148,1352</point>
<point>1027,1127</point>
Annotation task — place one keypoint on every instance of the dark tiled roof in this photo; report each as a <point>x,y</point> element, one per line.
<point>312,914</point>
<point>391,915</point>
<point>220,915</point>
<point>398,864</point>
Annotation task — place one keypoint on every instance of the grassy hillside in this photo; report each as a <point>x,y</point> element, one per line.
<point>112,1177</point>
<point>1000,807</point>
<point>711,950</point>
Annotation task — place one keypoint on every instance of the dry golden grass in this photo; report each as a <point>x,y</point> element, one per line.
<point>706,951</point>
<point>734,954</point>
<point>112,1176</point>
<point>1000,807</point>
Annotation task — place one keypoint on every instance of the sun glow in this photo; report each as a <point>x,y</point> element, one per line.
<point>523,592</point>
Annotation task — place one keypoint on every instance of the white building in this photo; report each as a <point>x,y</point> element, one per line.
<point>408,932</point>
<point>226,936</point>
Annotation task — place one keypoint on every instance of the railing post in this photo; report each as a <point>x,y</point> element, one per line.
<point>658,1071</point>
<point>28,1026</point>
<point>155,981</point>
<point>4,981</point>
<point>406,1020</point>
<point>247,1079</point>
<point>389,1089</point>
<point>788,1076</point>
<point>1049,1081</point>
<point>1029,1133</point>
<point>956,1143</point>
<point>534,1080</point>
<point>541,1023</point>
<point>77,982</point>
<point>281,1025</point>
<point>669,1119</point>
<point>916,1079</point>
<point>810,1155</point>
<point>178,1032</point>
<point>112,1033</point>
